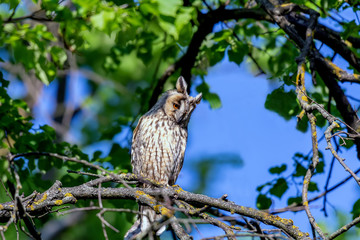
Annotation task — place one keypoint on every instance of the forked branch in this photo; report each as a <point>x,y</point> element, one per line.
<point>42,203</point>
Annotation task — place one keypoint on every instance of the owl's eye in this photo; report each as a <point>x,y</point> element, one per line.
<point>176,106</point>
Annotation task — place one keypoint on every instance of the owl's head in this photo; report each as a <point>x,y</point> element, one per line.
<point>177,104</point>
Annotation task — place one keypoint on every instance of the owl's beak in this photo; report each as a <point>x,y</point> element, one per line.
<point>179,118</point>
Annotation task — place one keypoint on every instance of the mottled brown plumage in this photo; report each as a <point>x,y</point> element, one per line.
<point>159,143</point>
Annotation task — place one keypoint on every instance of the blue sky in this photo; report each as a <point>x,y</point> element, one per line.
<point>261,138</point>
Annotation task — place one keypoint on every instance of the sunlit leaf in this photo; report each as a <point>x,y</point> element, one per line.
<point>59,55</point>
<point>282,102</point>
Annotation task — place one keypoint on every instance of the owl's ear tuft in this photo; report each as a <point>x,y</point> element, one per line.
<point>198,98</point>
<point>181,85</point>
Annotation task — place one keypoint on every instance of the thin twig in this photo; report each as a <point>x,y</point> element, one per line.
<point>7,192</point>
<point>328,181</point>
<point>344,228</point>
<point>310,173</point>
<point>99,214</point>
<point>334,153</point>
<point>84,173</point>
<point>94,208</point>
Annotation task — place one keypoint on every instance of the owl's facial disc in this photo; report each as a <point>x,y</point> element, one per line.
<point>175,106</point>
<point>179,105</point>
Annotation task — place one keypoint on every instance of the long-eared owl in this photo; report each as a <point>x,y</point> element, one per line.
<point>159,142</point>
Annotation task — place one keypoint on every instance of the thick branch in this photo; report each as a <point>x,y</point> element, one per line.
<point>57,196</point>
<point>207,22</point>
<point>342,103</point>
<point>329,37</point>
<point>322,67</point>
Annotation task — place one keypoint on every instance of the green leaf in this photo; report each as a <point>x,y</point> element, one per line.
<point>110,132</point>
<point>216,52</point>
<point>356,210</point>
<point>213,99</point>
<point>96,155</point>
<point>44,164</point>
<point>41,74</point>
<point>4,83</point>
<point>120,157</point>
<point>292,200</point>
<point>259,188</point>
<point>50,4</point>
<point>349,143</point>
<point>13,4</point>
<point>149,9</point>
<point>185,35</point>
<point>104,21</point>
<point>167,24</point>
<point>320,167</point>
<point>320,120</point>
<point>169,8</point>
<point>263,202</point>
<point>222,35</point>
<point>278,170</point>
<point>4,164</point>
<point>238,52</point>
<point>72,179</point>
<point>183,18</point>
<point>350,29</point>
<point>23,55</point>
<point>303,124</point>
<point>283,103</point>
<point>236,57</point>
<point>58,55</point>
<point>300,171</point>
<point>49,131</point>
<point>279,188</point>
<point>313,187</point>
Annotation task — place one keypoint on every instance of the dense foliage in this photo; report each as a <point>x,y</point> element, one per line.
<point>125,53</point>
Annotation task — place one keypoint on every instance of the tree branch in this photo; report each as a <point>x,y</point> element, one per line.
<point>322,67</point>
<point>330,37</point>
<point>345,228</point>
<point>207,22</point>
<point>58,195</point>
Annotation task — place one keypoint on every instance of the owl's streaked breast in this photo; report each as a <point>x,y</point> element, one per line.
<point>158,148</point>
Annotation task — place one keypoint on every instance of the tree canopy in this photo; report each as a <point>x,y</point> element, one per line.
<point>108,61</point>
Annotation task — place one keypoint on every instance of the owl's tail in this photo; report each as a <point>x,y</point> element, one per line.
<point>144,223</point>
